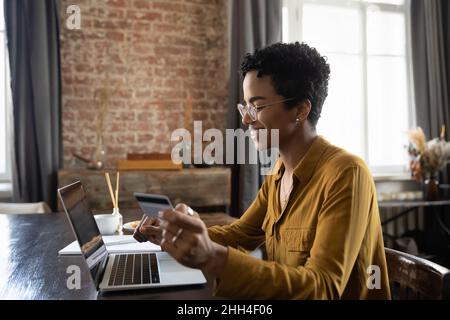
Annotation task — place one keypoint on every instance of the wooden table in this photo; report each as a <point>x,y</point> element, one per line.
<point>30,267</point>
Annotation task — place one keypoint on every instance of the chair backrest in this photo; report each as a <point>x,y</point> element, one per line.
<point>413,278</point>
<point>36,207</point>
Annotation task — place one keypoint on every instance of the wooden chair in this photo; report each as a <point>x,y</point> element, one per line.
<point>414,278</point>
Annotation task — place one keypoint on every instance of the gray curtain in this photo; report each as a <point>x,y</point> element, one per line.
<point>32,28</point>
<point>431,64</point>
<point>254,24</point>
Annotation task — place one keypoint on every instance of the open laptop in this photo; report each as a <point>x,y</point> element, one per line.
<point>114,272</point>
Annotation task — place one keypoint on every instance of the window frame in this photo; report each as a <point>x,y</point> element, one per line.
<point>293,10</point>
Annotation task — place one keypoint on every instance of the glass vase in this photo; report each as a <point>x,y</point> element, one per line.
<point>99,156</point>
<point>431,188</point>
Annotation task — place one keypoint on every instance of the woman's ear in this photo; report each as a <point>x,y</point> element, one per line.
<point>303,110</point>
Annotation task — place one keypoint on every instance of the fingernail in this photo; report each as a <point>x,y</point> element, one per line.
<point>160,214</point>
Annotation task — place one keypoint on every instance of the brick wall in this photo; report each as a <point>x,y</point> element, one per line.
<point>151,55</point>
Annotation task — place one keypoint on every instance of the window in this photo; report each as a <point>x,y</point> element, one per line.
<point>4,100</point>
<point>369,108</point>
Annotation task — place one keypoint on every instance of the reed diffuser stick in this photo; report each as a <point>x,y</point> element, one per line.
<point>117,190</point>
<point>108,181</point>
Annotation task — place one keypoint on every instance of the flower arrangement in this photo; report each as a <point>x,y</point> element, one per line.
<point>427,158</point>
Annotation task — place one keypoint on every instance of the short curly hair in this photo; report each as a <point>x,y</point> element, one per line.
<point>297,71</point>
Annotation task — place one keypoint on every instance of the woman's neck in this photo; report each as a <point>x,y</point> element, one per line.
<point>295,149</point>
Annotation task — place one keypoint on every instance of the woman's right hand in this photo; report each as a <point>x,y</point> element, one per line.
<point>150,228</point>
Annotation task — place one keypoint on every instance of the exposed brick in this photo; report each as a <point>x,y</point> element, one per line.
<point>140,126</point>
<point>142,15</point>
<point>117,3</point>
<point>168,28</point>
<point>167,6</point>
<point>164,50</point>
<point>145,138</point>
<point>115,36</point>
<point>110,24</point>
<point>152,54</point>
<point>115,13</point>
<point>142,4</point>
<point>125,139</point>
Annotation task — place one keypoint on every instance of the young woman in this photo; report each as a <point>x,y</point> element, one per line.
<point>317,214</point>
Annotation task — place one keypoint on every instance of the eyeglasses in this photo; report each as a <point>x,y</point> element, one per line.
<point>252,110</point>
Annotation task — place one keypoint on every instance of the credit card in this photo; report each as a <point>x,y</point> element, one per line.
<point>151,204</point>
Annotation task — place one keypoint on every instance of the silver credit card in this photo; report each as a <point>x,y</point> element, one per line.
<point>151,204</point>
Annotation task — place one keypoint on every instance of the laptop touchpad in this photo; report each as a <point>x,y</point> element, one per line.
<point>172,266</point>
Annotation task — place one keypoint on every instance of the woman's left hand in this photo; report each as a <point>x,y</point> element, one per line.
<point>186,239</point>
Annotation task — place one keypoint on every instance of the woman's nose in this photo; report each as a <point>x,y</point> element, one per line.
<point>246,120</point>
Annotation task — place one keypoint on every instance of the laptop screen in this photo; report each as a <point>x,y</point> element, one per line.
<point>85,228</point>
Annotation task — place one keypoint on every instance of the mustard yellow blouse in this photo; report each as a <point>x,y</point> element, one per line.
<point>323,245</point>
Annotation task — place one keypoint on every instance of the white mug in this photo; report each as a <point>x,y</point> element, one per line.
<point>107,223</point>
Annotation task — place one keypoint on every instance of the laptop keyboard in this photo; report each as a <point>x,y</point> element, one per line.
<point>129,269</point>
